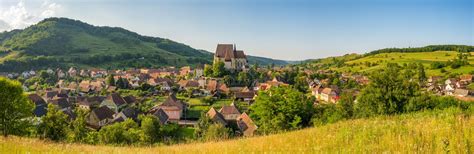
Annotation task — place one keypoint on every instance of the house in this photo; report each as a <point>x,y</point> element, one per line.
<point>130,99</point>
<point>450,81</point>
<point>233,59</point>
<point>246,125</point>
<point>84,73</point>
<point>88,103</point>
<point>166,86</point>
<point>111,89</point>
<point>72,72</point>
<point>214,87</point>
<point>216,116</point>
<point>269,84</point>
<point>466,78</point>
<point>60,73</point>
<point>114,102</point>
<point>162,116</point>
<point>185,70</point>
<point>449,89</point>
<point>41,107</point>
<point>316,91</point>
<point>100,117</point>
<point>97,73</point>
<point>230,112</point>
<point>330,95</point>
<point>187,84</point>
<point>199,71</point>
<point>461,93</point>
<point>173,108</point>
<point>245,96</point>
<point>434,79</point>
<point>127,113</point>
<point>62,103</point>
<point>49,95</point>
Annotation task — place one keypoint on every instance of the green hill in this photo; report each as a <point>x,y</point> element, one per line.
<point>375,60</point>
<point>62,42</point>
<point>438,131</point>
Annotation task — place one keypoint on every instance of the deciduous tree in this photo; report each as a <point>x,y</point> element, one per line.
<point>15,108</point>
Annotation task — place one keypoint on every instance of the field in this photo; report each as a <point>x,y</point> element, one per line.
<point>440,131</point>
<point>426,58</point>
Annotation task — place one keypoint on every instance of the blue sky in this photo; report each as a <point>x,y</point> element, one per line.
<point>282,29</point>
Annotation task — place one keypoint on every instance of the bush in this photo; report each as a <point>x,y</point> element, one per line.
<point>437,65</point>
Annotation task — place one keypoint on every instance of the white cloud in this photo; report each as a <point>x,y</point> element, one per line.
<point>20,16</point>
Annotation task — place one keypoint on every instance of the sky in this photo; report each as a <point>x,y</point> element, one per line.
<point>281,29</point>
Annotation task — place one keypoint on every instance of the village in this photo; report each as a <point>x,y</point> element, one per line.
<point>182,95</point>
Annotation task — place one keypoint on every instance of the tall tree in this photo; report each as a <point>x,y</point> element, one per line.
<point>110,80</point>
<point>421,74</point>
<point>151,129</point>
<point>281,108</point>
<point>78,130</point>
<point>208,71</point>
<point>15,107</point>
<point>387,93</point>
<point>54,124</point>
<point>218,69</point>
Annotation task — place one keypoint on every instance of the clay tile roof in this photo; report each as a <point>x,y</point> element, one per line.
<point>117,99</point>
<point>161,115</point>
<point>222,49</point>
<point>229,55</point>
<point>212,85</point>
<point>130,113</point>
<point>240,54</point>
<point>231,109</point>
<point>130,99</point>
<point>173,101</point>
<point>51,94</point>
<point>103,113</point>
<point>216,116</point>
<point>246,124</point>
<point>36,99</point>
<point>249,94</point>
<point>466,77</point>
<point>326,91</point>
<point>61,103</point>
<point>461,92</point>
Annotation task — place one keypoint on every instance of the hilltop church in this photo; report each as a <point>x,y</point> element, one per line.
<point>233,59</point>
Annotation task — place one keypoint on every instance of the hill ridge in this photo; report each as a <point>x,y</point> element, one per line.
<point>64,42</point>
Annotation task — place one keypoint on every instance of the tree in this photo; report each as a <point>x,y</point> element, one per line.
<point>243,79</point>
<point>78,131</point>
<point>110,80</point>
<point>202,125</point>
<point>300,83</point>
<point>126,132</point>
<point>346,105</point>
<point>387,93</point>
<point>228,80</point>
<point>218,69</point>
<point>54,124</point>
<point>216,132</point>
<point>151,129</point>
<point>208,71</point>
<point>421,74</point>
<point>207,130</point>
<point>122,83</point>
<point>15,107</point>
<point>281,108</point>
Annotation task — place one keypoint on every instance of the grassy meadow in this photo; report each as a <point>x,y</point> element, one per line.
<point>440,131</point>
<point>426,58</point>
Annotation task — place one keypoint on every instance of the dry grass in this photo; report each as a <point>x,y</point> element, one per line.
<point>426,132</point>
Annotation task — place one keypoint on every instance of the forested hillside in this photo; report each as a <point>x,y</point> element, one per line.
<point>62,42</point>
